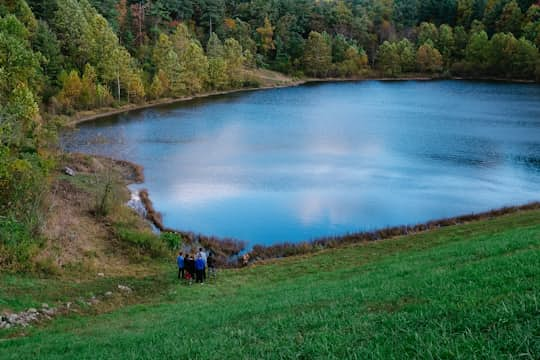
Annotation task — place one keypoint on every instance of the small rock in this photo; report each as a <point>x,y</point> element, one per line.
<point>68,305</point>
<point>69,171</point>
<point>124,288</point>
<point>48,311</point>
<point>32,310</point>
<point>45,306</point>
<point>108,293</point>
<point>101,274</point>
<point>11,318</point>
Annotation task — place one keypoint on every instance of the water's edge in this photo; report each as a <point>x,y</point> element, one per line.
<point>75,120</point>
<point>287,249</point>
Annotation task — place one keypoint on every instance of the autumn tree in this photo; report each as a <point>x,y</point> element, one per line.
<point>195,68</point>
<point>88,91</point>
<point>427,32</point>
<point>266,34</point>
<point>388,59</point>
<point>71,90</point>
<point>317,55</point>
<point>465,12</point>
<point>503,47</point>
<point>477,52</point>
<point>234,58</point>
<point>168,65</point>
<point>407,55</point>
<point>354,62</point>
<point>531,25</point>
<point>446,43</point>
<point>217,74</point>
<point>510,19</point>
<point>428,59</point>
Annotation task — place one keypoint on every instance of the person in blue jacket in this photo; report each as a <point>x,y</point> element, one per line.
<point>199,269</point>
<point>180,263</point>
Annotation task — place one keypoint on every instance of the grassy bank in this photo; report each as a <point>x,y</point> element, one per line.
<point>465,291</point>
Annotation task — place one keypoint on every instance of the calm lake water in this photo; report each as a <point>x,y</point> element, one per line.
<point>323,159</point>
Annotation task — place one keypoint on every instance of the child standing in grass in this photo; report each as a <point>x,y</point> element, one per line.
<point>180,263</point>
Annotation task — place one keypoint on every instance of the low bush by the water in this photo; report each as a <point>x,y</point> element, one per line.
<point>260,252</point>
<point>224,249</point>
<point>143,243</point>
<point>173,240</point>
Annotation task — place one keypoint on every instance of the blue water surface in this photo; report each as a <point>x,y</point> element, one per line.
<point>324,159</point>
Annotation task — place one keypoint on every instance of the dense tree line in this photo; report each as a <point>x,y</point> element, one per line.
<point>99,52</point>
<point>61,56</point>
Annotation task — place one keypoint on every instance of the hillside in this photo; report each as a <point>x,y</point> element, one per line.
<point>467,291</point>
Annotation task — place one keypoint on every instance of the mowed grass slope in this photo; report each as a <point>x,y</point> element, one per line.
<point>470,291</point>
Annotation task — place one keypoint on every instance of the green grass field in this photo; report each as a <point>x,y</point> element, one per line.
<point>464,292</point>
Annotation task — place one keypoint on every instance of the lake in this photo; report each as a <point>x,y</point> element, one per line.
<point>324,159</point>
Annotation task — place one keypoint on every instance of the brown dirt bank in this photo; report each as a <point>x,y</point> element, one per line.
<point>75,237</point>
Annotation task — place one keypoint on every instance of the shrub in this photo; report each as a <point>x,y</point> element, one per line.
<point>143,242</point>
<point>173,240</point>
<point>17,245</point>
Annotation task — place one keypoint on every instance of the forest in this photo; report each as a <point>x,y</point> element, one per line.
<point>58,57</point>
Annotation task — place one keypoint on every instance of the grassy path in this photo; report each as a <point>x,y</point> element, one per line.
<point>469,291</point>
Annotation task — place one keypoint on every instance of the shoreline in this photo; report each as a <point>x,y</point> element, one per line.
<point>286,249</point>
<point>283,249</point>
<point>81,117</point>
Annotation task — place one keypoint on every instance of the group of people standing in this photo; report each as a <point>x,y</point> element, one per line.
<point>194,267</point>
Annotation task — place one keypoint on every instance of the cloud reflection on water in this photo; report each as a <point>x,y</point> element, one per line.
<point>299,163</point>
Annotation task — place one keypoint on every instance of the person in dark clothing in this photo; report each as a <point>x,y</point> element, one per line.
<point>190,266</point>
<point>180,263</point>
<point>211,262</point>
<point>199,269</point>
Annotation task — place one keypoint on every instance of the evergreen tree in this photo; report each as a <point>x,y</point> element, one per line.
<point>214,48</point>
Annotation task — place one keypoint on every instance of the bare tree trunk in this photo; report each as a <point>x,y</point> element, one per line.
<point>118,83</point>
